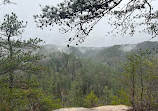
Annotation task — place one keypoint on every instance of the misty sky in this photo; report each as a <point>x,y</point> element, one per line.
<point>25,9</point>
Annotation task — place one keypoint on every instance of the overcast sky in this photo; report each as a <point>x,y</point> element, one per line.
<point>25,9</point>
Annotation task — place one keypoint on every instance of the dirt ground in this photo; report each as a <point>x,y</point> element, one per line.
<point>101,108</point>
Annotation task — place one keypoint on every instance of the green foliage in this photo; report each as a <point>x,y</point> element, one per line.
<point>122,98</point>
<point>19,92</point>
<point>16,55</point>
<point>13,100</point>
<point>38,100</point>
<point>91,100</point>
<point>107,95</point>
<point>25,97</point>
<point>75,96</point>
<point>65,79</point>
<point>137,73</point>
<point>72,78</point>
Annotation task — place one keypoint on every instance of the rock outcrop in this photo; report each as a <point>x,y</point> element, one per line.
<point>101,108</point>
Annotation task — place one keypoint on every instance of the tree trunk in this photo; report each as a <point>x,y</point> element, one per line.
<point>10,56</point>
<point>133,89</point>
<point>142,86</point>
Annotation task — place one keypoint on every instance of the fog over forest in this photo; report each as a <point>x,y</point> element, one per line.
<point>78,55</point>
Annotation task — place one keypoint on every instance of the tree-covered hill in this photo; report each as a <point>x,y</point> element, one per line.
<point>88,77</point>
<point>106,55</point>
<point>84,77</point>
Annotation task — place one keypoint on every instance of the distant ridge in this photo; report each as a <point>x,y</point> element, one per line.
<point>111,56</point>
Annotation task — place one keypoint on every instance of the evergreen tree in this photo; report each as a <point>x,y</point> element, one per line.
<point>16,55</point>
<point>91,100</point>
<point>137,74</point>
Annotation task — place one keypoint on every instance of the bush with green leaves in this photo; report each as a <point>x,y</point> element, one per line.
<point>91,100</point>
<point>25,96</point>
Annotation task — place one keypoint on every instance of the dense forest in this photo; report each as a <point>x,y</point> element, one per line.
<point>36,77</point>
<point>53,77</point>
